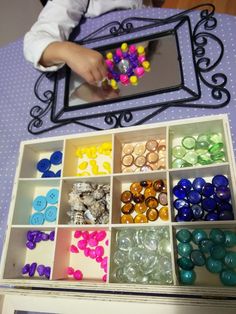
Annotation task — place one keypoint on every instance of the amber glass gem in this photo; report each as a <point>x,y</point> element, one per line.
<point>138,198</point>
<point>140,218</point>
<point>149,192</point>
<point>164,213</point>
<point>146,183</point>
<point>126,197</point>
<point>136,188</point>
<point>162,198</point>
<point>158,185</point>
<point>140,208</point>
<point>140,161</point>
<point>126,219</point>
<point>127,208</point>
<point>152,214</point>
<point>127,160</point>
<point>151,202</point>
<point>151,145</point>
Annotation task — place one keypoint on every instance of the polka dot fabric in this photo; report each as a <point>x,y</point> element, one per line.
<point>17,97</point>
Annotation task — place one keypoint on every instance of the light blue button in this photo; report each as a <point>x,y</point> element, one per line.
<point>39,203</point>
<point>52,196</point>
<point>37,219</point>
<point>50,214</point>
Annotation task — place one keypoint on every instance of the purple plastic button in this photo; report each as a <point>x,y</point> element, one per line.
<point>30,236</point>
<point>25,269</point>
<point>41,269</point>
<point>38,237</point>
<point>45,236</point>
<point>30,245</point>
<point>47,272</point>
<point>32,269</point>
<point>52,235</point>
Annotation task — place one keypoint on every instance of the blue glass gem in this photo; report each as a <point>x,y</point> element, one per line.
<point>185,263</point>
<point>52,196</point>
<point>43,165</point>
<point>58,173</point>
<point>205,246</point>
<point>194,197</point>
<point>185,213</point>
<point>198,184</point>
<point>209,204</point>
<point>213,265</point>
<point>199,235</point>
<point>198,258</point>
<point>218,252</point>
<point>48,174</point>
<point>39,203</point>
<point>223,193</point>
<point>220,180</point>
<point>184,236</point>
<point>184,249</point>
<point>230,259</point>
<point>224,206</point>
<point>217,236</point>
<point>198,212</point>
<point>185,184</point>
<point>187,277</point>
<point>228,277</point>
<point>179,192</point>
<point>230,238</point>
<point>37,219</point>
<point>50,214</point>
<point>179,218</point>
<point>32,269</point>
<point>179,203</point>
<point>56,158</point>
<point>208,190</point>
<point>212,216</point>
<point>226,215</point>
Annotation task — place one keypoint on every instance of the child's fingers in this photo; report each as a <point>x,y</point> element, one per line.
<point>97,75</point>
<point>88,76</point>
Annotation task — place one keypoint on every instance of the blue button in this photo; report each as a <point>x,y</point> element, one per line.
<point>56,158</point>
<point>58,173</point>
<point>50,214</point>
<point>39,203</point>
<point>48,174</point>
<point>43,165</point>
<point>52,196</point>
<point>37,219</point>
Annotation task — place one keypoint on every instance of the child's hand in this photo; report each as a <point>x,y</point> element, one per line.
<point>87,63</point>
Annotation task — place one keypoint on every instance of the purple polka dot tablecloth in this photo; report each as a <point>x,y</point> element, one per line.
<point>17,96</point>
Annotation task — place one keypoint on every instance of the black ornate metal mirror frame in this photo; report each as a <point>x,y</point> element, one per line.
<point>201,65</point>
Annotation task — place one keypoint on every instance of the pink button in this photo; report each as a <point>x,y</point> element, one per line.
<point>77,234</point>
<point>86,251</point>
<point>74,249</point>
<point>82,244</point>
<point>78,275</point>
<point>101,235</point>
<point>99,259</point>
<point>93,242</point>
<point>92,254</point>
<point>104,277</point>
<point>99,250</point>
<point>70,270</point>
<point>85,235</point>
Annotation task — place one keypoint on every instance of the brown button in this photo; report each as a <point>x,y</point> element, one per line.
<point>152,157</point>
<point>138,198</point>
<point>140,161</point>
<point>139,149</point>
<point>151,145</point>
<point>127,160</point>
<point>128,149</point>
<point>152,214</point>
<point>127,208</point>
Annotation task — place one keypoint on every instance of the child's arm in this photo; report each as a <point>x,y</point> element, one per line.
<point>46,47</point>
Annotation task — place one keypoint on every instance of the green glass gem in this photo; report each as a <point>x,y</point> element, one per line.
<point>199,235</point>
<point>191,157</point>
<point>187,277</point>
<point>186,164</point>
<point>205,246</point>
<point>185,263</point>
<point>178,151</point>
<point>215,148</point>
<point>184,236</point>
<point>178,163</point>
<point>217,156</point>
<point>205,159</point>
<point>188,142</point>
<point>198,258</point>
<point>228,277</point>
<point>218,161</point>
<point>203,138</point>
<point>184,249</point>
<point>230,238</point>
<point>217,236</point>
<point>201,147</point>
<point>218,252</point>
<point>215,138</point>
<point>213,265</point>
<point>230,259</point>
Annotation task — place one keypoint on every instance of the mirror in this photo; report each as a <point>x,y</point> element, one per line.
<point>165,75</point>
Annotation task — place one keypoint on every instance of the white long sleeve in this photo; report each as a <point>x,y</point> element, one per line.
<point>58,18</point>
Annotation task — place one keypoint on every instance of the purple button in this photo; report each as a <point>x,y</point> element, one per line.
<point>40,270</point>
<point>45,236</point>
<point>52,235</point>
<point>25,269</point>
<point>30,245</point>
<point>47,272</point>
<point>32,269</point>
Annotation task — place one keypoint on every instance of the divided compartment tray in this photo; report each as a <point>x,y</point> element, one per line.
<point>56,254</point>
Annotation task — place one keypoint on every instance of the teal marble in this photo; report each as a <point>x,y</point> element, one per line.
<point>198,258</point>
<point>187,277</point>
<point>213,265</point>
<point>230,238</point>
<point>230,259</point>
<point>217,236</point>
<point>184,249</point>
<point>218,252</point>
<point>185,263</point>
<point>206,245</point>
<point>184,236</point>
<point>199,235</point>
<point>228,277</point>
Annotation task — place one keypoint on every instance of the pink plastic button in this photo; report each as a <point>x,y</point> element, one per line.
<point>93,234</point>
<point>124,79</point>
<point>93,242</point>
<point>139,71</point>
<point>92,254</point>
<point>98,259</point>
<point>70,270</point>
<point>141,59</point>
<point>78,275</point>
<point>101,235</point>
<point>85,235</point>
<point>86,251</point>
<point>82,244</point>
<point>104,277</point>
<point>119,52</point>
<point>77,234</point>
<point>74,249</point>
<point>99,250</point>
<point>132,49</point>
<point>107,242</point>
